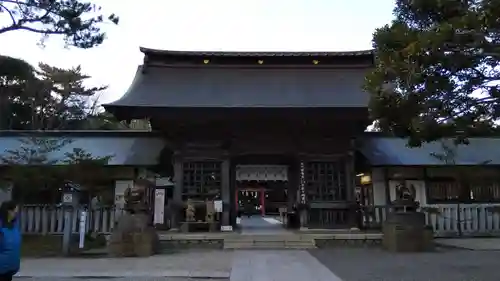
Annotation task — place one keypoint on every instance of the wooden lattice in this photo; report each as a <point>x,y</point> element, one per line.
<point>201,179</point>
<point>325,181</point>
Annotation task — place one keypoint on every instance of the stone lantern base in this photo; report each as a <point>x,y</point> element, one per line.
<point>406,232</point>
<point>133,236</point>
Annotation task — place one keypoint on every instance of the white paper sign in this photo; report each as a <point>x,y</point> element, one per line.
<point>218,206</point>
<point>83,224</point>
<point>68,198</point>
<point>226,228</point>
<point>159,216</point>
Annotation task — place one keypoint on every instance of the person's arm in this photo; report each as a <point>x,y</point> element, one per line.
<point>16,221</point>
<point>1,242</point>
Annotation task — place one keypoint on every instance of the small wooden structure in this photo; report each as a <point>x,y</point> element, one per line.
<point>200,216</point>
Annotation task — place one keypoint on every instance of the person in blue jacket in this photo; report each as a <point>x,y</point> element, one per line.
<point>10,241</point>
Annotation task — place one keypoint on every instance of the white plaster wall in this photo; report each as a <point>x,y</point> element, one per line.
<point>378,186</point>
<point>120,187</point>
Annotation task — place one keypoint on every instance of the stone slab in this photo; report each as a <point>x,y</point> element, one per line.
<point>284,265</point>
<point>476,244</point>
<point>375,264</point>
<point>207,264</point>
<point>119,279</point>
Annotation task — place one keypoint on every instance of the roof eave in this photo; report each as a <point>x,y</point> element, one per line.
<point>357,53</point>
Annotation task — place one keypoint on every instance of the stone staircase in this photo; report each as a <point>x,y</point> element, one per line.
<point>263,241</point>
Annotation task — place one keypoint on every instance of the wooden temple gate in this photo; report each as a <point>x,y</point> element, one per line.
<point>324,186</point>
<point>217,109</point>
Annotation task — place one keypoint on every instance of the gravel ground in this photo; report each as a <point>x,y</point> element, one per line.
<point>378,265</point>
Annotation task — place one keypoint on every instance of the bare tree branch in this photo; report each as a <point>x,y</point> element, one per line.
<point>8,12</point>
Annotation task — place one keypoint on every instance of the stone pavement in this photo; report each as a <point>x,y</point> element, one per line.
<point>336,264</point>
<point>274,265</point>
<point>257,224</point>
<point>214,264</point>
<point>378,265</point>
<point>117,279</point>
<point>476,244</point>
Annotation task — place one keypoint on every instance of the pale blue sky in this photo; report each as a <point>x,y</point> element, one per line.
<point>211,25</point>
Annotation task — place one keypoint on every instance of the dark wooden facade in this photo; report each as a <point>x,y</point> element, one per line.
<point>209,138</point>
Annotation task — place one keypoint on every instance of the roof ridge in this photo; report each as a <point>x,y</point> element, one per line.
<point>257,53</point>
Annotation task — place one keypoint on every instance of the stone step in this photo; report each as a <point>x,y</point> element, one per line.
<point>269,244</point>
<point>268,238</point>
<point>274,247</point>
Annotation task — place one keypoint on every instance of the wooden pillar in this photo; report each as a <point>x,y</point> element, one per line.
<point>177,192</point>
<point>226,192</point>
<point>236,205</point>
<point>354,212</point>
<point>299,174</point>
<point>292,186</point>
<point>350,178</point>
<point>262,201</point>
<point>387,187</point>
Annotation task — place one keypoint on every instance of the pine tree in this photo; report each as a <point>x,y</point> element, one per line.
<point>436,69</point>
<point>78,22</point>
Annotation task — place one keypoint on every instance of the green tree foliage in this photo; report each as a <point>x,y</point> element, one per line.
<point>437,70</point>
<point>78,22</point>
<point>29,165</point>
<point>68,102</point>
<point>15,75</point>
<point>45,98</point>
<point>38,163</point>
<point>104,121</point>
<point>85,169</point>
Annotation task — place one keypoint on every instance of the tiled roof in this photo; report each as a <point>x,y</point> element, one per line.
<point>389,151</point>
<point>123,149</point>
<point>256,54</point>
<point>246,88</point>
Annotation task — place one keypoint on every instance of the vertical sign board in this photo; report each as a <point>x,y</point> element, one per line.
<point>159,211</point>
<point>218,206</point>
<point>82,229</point>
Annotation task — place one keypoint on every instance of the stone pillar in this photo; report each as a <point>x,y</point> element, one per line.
<point>226,192</point>
<point>177,192</point>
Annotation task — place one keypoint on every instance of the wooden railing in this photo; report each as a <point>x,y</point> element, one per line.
<point>49,219</point>
<point>447,220</point>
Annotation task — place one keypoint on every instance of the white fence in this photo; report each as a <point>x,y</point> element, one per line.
<point>49,219</point>
<point>450,220</point>
<point>464,219</point>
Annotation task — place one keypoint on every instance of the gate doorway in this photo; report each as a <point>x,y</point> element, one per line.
<point>251,201</point>
<point>261,191</point>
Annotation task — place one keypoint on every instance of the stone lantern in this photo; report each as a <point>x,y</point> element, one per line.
<point>404,229</point>
<point>134,233</point>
